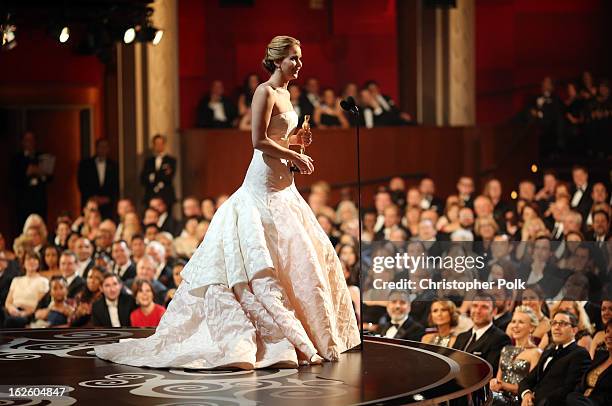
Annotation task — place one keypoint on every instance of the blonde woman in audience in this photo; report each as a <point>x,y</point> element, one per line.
<point>35,220</point>
<point>329,113</point>
<point>93,219</point>
<point>516,361</point>
<point>130,227</point>
<point>25,293</point>
<point>443,315</point>
<point>187,242</point>
<point>533,297</point>
<point>585,329</point>
<point>346,212</point>
<point>21,245</point>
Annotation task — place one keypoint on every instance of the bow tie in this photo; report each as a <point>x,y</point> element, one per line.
<point>396,325</point>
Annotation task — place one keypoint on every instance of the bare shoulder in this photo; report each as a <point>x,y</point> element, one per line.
<point>428,338</point>
<point>265,89</point>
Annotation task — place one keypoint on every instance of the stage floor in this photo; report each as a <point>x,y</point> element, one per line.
<point>51,361</point>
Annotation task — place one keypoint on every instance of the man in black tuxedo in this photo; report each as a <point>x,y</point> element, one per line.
<point>427,188</point>
<point>542,270</point>
<point>559,369</point>
<point>483,339</point>
<point>114,308</point>
<point>309,98</point>
<point>215,110</point>
<point>581,199</point>
<point>465,191</point>
<point>396,117</point>
<point>158,174</point>
<point>392,221</point>
<point>74,283</point>
<point>29,181</point>
<point>122,264</point>
<point>98,178</point>
<point>401,324</point>
<point>165,222</point>
<point>68,267</point>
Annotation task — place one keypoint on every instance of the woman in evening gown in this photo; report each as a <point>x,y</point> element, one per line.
<point>265,287</point>
<point>516,361</point>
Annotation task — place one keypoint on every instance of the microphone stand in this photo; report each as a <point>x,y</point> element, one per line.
<point>350,106</point>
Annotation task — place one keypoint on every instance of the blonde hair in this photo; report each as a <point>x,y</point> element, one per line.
<point>529,312</point>
<point>277,49</point>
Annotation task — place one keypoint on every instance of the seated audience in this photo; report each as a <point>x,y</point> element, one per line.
<point>483,339</point>
<point>59,309</point>
<point>443,315</point>
<point>113,309</point>
<point>595,388</point>
<point>517,360</point>
<point>598,345</point>
<point>401,325</point>
<point>559,369</point>
<point>215,110</point>
<point>329,113</point>
<point>148,313</point>
<point>84,300</point>
<point>25,293</point>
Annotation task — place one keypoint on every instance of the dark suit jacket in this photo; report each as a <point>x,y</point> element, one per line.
<point>586,202</point>
<point>205,115</point>
<point>77,285</point>
<point>409,330</point>
<point>488,347</point>
<point>130,272</point>
<point>552,281</point>
<point>602,392</point>
<point>159,183</point>
<point>89,183</point>
<point>30,190</point>
<point>6,278</point>
<point>552,385</point>
<point>503,321</point>
<point>306,107</point>
<point>99,311</point>
<point>171,225</point>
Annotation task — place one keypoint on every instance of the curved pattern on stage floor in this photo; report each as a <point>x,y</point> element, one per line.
<point>385,372</point>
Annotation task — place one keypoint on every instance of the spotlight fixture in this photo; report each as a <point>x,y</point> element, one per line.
<point>64,35</point>
<point>148,33</point>
<point>129,36</point>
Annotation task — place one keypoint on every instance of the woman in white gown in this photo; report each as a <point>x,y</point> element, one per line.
<point>265,287</point>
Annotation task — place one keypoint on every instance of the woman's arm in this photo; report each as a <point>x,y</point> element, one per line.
<point>242,107</point>
<point>263,102</point>
<point>341,117</point>
<point>317,117</point>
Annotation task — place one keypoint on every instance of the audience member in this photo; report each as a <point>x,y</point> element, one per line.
<point>98,178</point>
<point>157,175</point>
<point>559,369</point>
<point>113,309</point>
<point>148,313</point>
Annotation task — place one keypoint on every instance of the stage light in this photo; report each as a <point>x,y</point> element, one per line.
<point>513,195</point>
<point>158,37</point>
<point>64,35</point>
<point>130,35</point>
<point>534,168</point>
<point>8,36</point>
<point>148,33</point>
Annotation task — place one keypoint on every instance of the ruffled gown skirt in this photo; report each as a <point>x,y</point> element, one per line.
<point>265,287</point>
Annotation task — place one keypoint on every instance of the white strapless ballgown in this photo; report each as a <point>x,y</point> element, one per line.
<point>264,283</point>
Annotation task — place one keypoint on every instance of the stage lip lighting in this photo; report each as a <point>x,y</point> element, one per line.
<point>158,37</point>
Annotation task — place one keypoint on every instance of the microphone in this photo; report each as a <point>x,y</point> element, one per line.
<point>349,105</point>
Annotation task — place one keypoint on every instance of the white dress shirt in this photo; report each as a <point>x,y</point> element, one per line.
<point>113,312</point>
<point>101,168</point>
<point>578,194</point>
<point>392,331</point>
